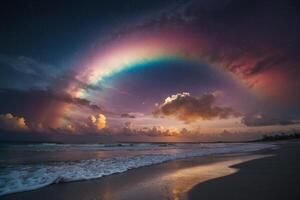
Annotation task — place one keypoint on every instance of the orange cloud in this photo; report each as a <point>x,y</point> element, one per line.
<point>98,121</point>
<point>10,122</point>
<point>188,108</point>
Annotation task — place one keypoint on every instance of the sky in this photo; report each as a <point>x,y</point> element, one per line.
<point>156,70</point>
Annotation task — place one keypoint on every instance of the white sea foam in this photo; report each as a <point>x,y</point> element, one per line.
<point>17,178</point>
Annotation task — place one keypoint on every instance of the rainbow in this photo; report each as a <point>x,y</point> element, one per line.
<point>141,48</point>
<point>135,51</point>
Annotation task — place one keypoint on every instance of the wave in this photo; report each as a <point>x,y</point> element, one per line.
<point>91,147</point>
<point>18,178</point>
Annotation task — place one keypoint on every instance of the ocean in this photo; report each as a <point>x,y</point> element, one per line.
<point>26,167</point>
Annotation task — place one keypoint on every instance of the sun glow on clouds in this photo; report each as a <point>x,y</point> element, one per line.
<point>10,122</point>
<point>188,108</point>
<point>99,121</point>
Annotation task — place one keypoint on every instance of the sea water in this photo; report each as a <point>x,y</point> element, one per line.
<point>26,167</point>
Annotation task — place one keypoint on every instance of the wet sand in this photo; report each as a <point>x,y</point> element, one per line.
<point>276,177</point>
<point>186,178</point>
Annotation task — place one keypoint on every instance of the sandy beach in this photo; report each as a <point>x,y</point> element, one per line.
<point>266,174</point>
<point>275,177</point>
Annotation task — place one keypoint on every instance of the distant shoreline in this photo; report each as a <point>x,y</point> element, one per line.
<point>265,138</point>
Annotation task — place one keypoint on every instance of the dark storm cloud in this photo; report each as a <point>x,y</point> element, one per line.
<point>264,64</point>
<point>189,108</point>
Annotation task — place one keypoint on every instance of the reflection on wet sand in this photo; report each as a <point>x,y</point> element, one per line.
<point>175,185</point>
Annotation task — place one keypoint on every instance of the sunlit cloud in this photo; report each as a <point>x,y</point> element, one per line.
<point>188,108</point>
<point>98,121</point>
<point>10,122</point>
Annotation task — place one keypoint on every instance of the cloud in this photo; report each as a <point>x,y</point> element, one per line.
<point>98,121</point>
<point>70,77</point>
<point>188,108</point>
<point>128,125</point>
<point>263,65</point>
<point>10,122</point>
<point>70,128</point>
<point>26,65</point>
<point>130,130</point>
<point>28,71</point>
<point>264,119</point>
<point>40,96</point>
<point>32,104</point>
<point>93,124</point>
<point>127,115</point>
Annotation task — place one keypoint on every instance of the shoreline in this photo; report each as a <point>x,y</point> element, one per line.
<point>135,183</point>
<point>276,177</point>
<point>28,179</point>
